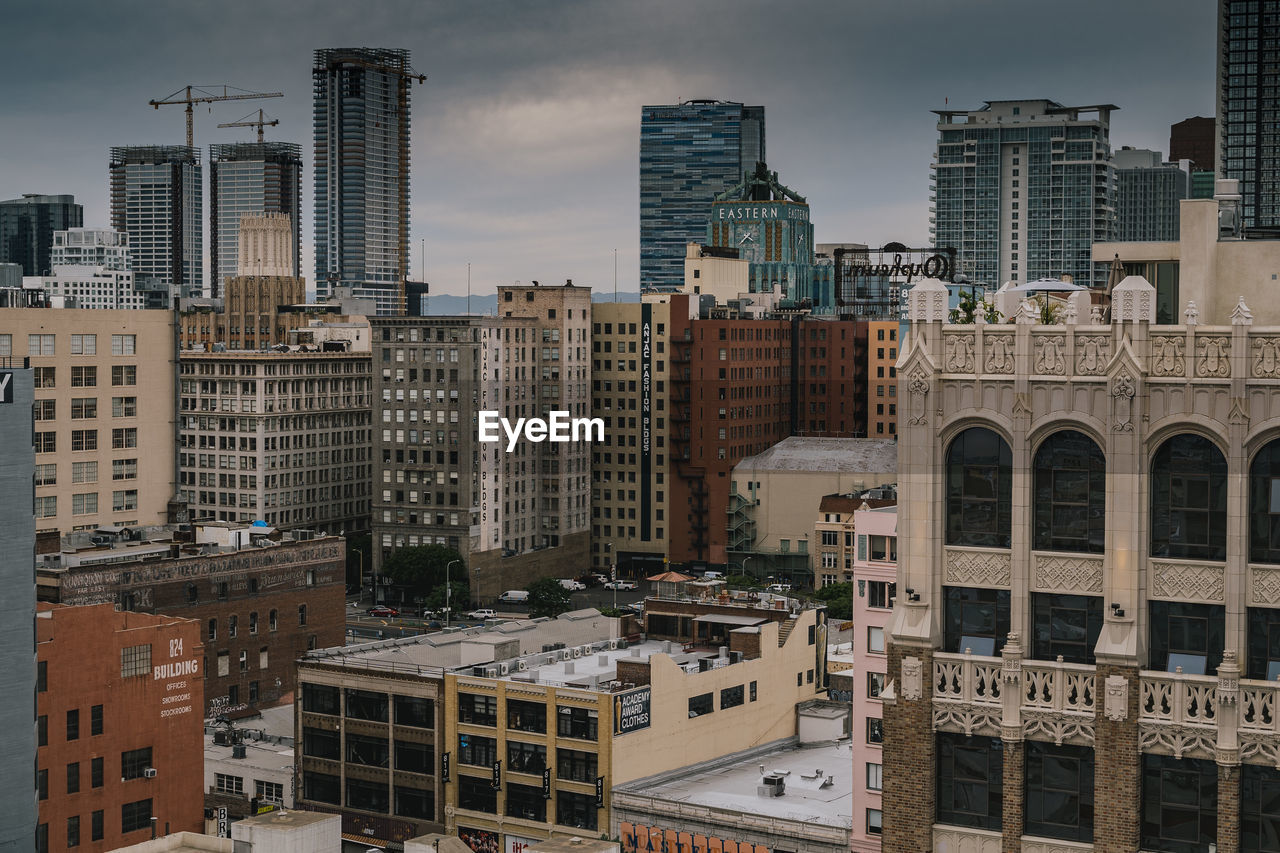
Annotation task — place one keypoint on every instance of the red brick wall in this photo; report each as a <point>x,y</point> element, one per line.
<point>909,761</point>
<point>1229,808</point>
<point>1012,817</point>
<point>1117,770</point>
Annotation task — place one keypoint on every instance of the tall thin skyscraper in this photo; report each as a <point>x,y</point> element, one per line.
<point>1023,189</point>
<point>250,177</point>
<point>1248,118</point>
<point>689,153</point>
<point>1149,193</point>
<point>157,198</point>
<point>27,225</point>
<point>361,121</point>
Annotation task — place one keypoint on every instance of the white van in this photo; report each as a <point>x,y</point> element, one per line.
<point>515,596</point>
<point>713,576</point>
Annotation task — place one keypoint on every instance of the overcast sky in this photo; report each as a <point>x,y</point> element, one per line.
<point>526,134</point>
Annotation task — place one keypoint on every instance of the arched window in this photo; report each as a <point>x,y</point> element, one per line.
<point>1189,500</point>
<point>1070,502</point>
<point>979,490</point>
<point>1264,505</point>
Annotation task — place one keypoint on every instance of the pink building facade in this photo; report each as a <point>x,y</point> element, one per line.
<point>875,570</point>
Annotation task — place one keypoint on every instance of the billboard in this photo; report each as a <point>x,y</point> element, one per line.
<point>631,710</point>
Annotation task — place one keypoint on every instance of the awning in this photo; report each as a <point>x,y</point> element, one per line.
<point>367,840</point>
<point>730,619</point>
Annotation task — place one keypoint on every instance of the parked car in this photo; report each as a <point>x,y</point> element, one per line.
<point>637,608</point>
<point>780,587</point>
<point>620,585</point>
<point>572,585</point>
<point>713,576</point>
<point>383,610</point>
<point>515,596</point>
<point>481,614</point>
<point>599,578</point>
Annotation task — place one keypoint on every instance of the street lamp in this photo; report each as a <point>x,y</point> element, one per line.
<point>745,560</point>
<point>448,593</point>
<point>360,577</point>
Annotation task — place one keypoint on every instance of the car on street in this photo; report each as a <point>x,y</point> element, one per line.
<point>481,614</point>
<point>637,608</point>
<point>572,585</point>
<point>620,585</point>
<point>383,610</point>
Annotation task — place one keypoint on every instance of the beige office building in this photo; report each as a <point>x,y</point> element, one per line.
<point>103,416</point>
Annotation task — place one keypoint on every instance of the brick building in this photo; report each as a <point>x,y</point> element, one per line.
<point>1081,653</point>
<point>121,751</point>
<point>262,598</point>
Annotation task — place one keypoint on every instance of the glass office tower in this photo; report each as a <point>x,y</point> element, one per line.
<point>361,121</point>
<point>250,177</point>
<point>1022,189</point>
<point>157,198</point>
<point>27,225</point>
<point>1248,112</point>
<point>689,153</point>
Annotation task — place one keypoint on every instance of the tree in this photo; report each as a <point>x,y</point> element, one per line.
<point>548,598</point>
<point>838,598</point>
<point>459,601</point>
<point>742,582</point>
<point>422,568</point>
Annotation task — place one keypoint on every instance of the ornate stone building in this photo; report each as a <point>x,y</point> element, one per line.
<point>1086,640</point>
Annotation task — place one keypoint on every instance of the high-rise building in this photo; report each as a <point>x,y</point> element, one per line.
<point>361,121</point>
<point>1022,189</point>
<point>27,225</point>
<point>1248,132</point>
<point>768,224</point>
<point>251,177</point>
<point>1148,192</point>
<point>1194,139</point>
<point>157,198</point>
<point>104,396</point>
<point>92,268</point>
<point>17,622</point>
<point>514,512</point>
<point>689,153</point>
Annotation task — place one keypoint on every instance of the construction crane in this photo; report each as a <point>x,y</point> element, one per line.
<point>207,95</point>
<point>248,121</point>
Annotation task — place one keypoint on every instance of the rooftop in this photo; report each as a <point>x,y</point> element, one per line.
<point>818,784</point>
<point>834,455</point>
<point>181,842</point>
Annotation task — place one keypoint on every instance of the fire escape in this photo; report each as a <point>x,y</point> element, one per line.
<point>694,477</point>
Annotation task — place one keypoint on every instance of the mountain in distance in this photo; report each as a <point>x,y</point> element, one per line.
<point>447,304</point>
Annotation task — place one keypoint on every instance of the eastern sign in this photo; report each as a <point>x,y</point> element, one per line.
<point>631,710</point>
<point>770,212</point>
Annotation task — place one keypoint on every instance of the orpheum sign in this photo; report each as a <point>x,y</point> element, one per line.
<point>654,839</point>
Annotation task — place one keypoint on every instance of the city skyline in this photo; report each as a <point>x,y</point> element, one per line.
<point>530,118</point>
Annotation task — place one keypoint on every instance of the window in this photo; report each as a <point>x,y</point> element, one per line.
<point>73,724</point>
<point>875,822</point>
<point>979,490</point>
<point>133,762</point>
<point>875,730</point>
<point>525,801</point>
<point>84,344</point>
<point>47,474</point>
<point>414,757</point>
<point>42,838</point>
<point>125,501</point>
<point>575,765</point>
<point>135,660</point>
<point>40,344</point>
<point>581,723</point>
<point>526,757</point>
<point>970,781</point>
<point>6,346</point>
<point>124,438</point>
<point>225,784</point>
<point>881,593</point>
<point>135,816</point>
<point>270,792</point>
<point>322,787</point>
<point>42,679</point>
<point>476,750</point>
<point>576,810</point>
<point>1179,803</point>
<point>366,705</point>
<point>73,831</point>
<point>1066,625</point>
<point>123,344</point>
<point>368,796</point>
<point>96,773</point>
<point>95,720</point>
<point>416,712</point>
<point>83,408</point>
<point>1259,808</point>
<point>84,504</point>
<point>73,777</point>
<point>976,619</point>
<point>415,803</point>
<point>526,716</point>
<point>1186,635</point>
<point>700,705</point>
<point>46,507</point>
<point>884,548</point>
<point>84,472</point>
<point>46,377</point>
<point>84,377</point>
<point>302,615</point>
<point>271,621</point>
<point>42,730</point>
<point>1263,644</point>
<point>1189,500</point>
<point>875,776</point>
<point>46,442</point>
<point>1264,505</point>
<point>369,751</point>
<point>1059,791</point>
<point>97,825</point>
<point>124,375</point>
<point>477,709</point>
<point>875,684</point>
<point>731,697</point>
<point>319,743</point>
<point>42,784</point>
<point>124,407</point>
<point>84,439</point>
<point>477,794</point>
<point>1070,484</point>
<point>875,639</point>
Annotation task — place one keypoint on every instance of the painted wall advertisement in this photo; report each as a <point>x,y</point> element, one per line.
<point>631,711</point>
<point>518,843</point>
<point>479,840</point>
<point>654,839</point>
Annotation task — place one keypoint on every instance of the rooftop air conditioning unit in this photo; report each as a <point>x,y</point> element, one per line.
<point>577,651</point>
<point>149,772</point>
<point>613,644</point>
<point>522,665</point>
<point>563,654</point>
<point>491,672</point>
<point>774,785</point>
<point>504,668</point>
